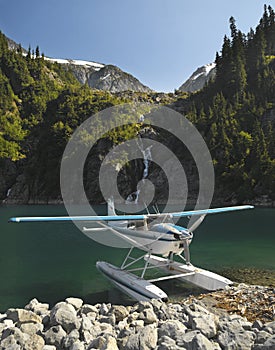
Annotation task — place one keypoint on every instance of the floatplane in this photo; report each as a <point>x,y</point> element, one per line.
<point>160,239</point>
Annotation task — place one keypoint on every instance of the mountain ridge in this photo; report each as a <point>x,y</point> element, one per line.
<point>94,73</point>
<point>102,76</point>
<point>199,78</point>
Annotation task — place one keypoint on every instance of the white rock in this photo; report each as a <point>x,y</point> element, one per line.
<point>86,308</point>
<point>49,347</point>
<point>23,316</point>
<point>31,328</point>
<point>86,323</point>
<point>120,312</point>
<point>148,316</point>
<point>171,328</point>
<point>240,340</point>
<point>64,314</point>
<point>269,344</point>
<point>35,342</point>
<point>8,323</point>
<point>77,345</point>
<point>54,336</point>
<point>206,324</point>
<point>37,307</point>
<point>76,302</point>
<point>2,317</point>
<point>195,340</point>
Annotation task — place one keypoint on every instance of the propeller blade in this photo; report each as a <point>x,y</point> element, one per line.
<point>197,223</point>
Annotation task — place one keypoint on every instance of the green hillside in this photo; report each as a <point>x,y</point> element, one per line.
<point>235,112</point>
<point>41,104</point>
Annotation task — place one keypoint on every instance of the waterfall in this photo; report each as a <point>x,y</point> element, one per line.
<point>147,156</point>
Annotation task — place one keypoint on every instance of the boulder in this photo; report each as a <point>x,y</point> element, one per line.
<point>31,328</point>
<point>148,316</point>
<point>104,309</point>
<point>37,307</point>
<point>86,308</point>
<point>141,306</point>
<point>104,343</point>
<point>205,323</point>
<point>8,323</point>
<point>257,324</point>
<point>110,344</point>
<point>2,317</point>
<point>200,342</point>
<point>70,339</point>
<point>270,326</point>
<point>76,302</point>
<point>145,339</point>
<point>35,342</point>
<point>64,314</point>
<point>167,340</point>
<point>86,323</point>
<point>234,324</point>
<point>54,336</point>
<point>77,345</point>
<point>110,319</point>
<point>23,316</point>
<point>120,312</point>
<point>49,347</point>
<point>11,343</point>
<point>269,344</point>
<point>239,340</point>
<point>261,337</point>
<point>13,336</point>
<point>171,328</point>
<point>195,340</point>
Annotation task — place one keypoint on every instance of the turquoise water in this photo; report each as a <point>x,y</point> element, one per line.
<point>51,261</point>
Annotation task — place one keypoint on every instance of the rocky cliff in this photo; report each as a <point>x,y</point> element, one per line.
<point>101,76</point>
<point>199,78</point>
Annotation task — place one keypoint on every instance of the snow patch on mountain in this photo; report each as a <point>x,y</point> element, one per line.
<point>86,64</point>
<point>199,78</point>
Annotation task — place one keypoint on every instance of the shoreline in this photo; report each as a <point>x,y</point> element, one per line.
<point>238,317</point>
<point>259,202</point>
<point>256,204</point>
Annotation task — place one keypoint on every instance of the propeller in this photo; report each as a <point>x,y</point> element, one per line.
<point>197,223</point>
<point>186,241</point>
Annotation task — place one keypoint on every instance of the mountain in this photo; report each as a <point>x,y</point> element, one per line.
<point>41,104</point>
<point>199,78</point>
<point>14,46</point>
<point>97,75</point>
<point>101,76</point>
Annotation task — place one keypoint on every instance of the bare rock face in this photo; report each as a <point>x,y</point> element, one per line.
<point>102,77</point>
<point>113,79</point>
<point>199,78</point>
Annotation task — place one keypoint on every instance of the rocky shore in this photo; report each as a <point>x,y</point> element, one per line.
<point>240,317</point>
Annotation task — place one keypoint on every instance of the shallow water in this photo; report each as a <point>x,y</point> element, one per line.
<point>51,261</point>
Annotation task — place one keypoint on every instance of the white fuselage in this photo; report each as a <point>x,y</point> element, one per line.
<point>157,239</point>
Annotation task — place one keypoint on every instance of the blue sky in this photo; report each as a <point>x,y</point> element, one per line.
<point>161,42</point>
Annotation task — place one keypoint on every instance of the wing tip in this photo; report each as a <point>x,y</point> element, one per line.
<point>14,219</point>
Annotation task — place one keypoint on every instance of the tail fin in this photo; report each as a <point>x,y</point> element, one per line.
<point>111,207</point>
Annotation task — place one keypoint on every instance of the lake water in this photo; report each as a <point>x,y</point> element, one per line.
<point>51,261</point>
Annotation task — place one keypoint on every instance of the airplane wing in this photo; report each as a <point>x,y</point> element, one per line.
<point>128,217</point>
<point>210,211</point>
